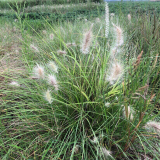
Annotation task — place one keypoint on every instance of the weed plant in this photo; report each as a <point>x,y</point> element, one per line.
<point>86,94</point>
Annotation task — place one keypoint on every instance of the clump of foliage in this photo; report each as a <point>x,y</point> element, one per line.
<point>84,96</point>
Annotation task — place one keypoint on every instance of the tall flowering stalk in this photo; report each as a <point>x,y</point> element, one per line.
<point>116,68</point>
<point>106,19</point>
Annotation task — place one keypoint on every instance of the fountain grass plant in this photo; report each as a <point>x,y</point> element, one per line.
<point>74,105</point>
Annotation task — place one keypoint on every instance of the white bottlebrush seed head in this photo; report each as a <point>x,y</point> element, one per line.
<point>107,104</point>
<point>129,17</point>
<point>48,97</point>
<point>153,125</point>
<point>32,46</point>
<point>95,140</point>
<point>53,81</point>
<point>87,41</point>
<point>119,35</point>
<point>52,65</point>
<point>116,71</point>
<point>14,83</point>
<point>38,71</point>
<point>51,36</point>
<point>61,52</point>
<point>76,149</point>
<point>106,153</point>
<point>44,32</point>
<point>106,19</point>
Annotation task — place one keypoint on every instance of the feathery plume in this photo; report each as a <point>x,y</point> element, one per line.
<point>106,19</point>
<point>53,66</point>
<point>153,125</point>
<point>44,32</point>
<point>105,152</point>
<point>119,35</point>
<point>112,14</point>
<point>48,97</point>
<point>87,41</point>
<point>76,149</point>
<point>101,136</point>
<point>61,52</point>
<point>129,18</point>
<point>95,140</point>
<point>14,83</point>
<point>97,20</point>
<point>34,48</point>
<point>130,113</point>
<point>116,72</point>
<point>53,81</point>
<point>107,104</point>
<point>39,71</point>
<point>51,36</point>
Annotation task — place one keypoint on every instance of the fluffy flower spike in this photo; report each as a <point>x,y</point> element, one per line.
<point>48,97</point>
<point>129,18</point>
<point>61,52</point>
<point>51,36</point>
<point>34,48</point>
<point>14,83</point>
<point>39,71</point>
<point>53,81</point>
<point>106,153</point>
<point>116,72</point>
<point>119,35</point>
<point>87,41</point>
<point>52,65</point>
<point>153,125</point>
<point>107,104</point>
<point>76,149</point>
<point>106,19</point>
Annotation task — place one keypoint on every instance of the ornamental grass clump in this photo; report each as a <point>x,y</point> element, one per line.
<point>88,104</point>
<point>106,19</point>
